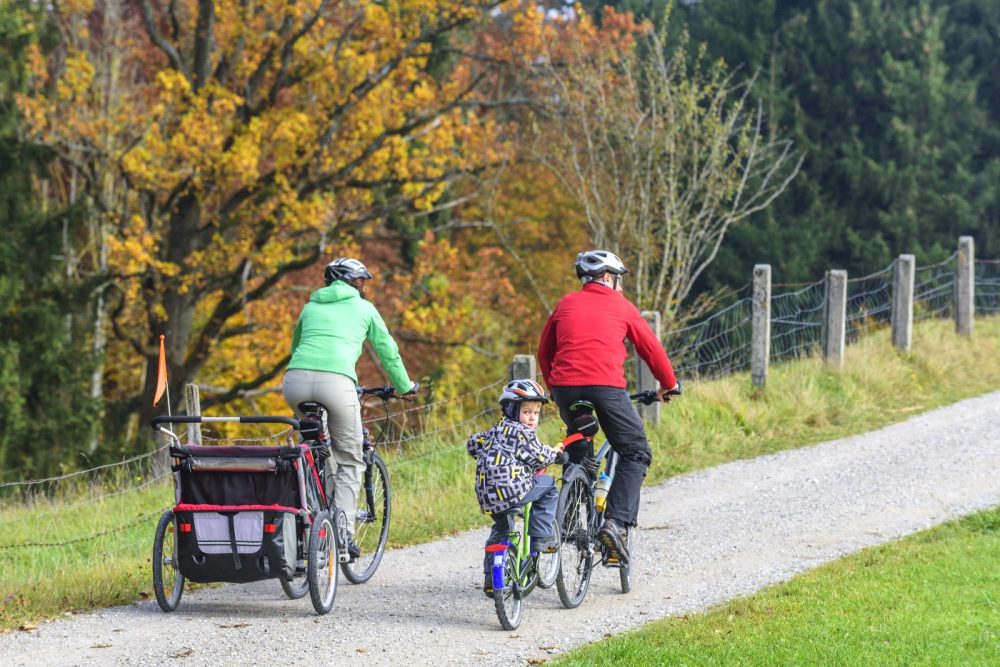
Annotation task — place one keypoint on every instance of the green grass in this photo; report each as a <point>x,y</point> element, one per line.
<point>717,421</point>
<point>930,599</point>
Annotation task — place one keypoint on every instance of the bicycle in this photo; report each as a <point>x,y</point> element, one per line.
<point>578,516</point>
<point>517,570</point>
<point>371,524</point>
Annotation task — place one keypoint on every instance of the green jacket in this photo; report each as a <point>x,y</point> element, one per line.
<point>333,327</point>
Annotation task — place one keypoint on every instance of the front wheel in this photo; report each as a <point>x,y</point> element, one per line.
<point>168,582</point>
<point>576,518</point>
<point>371,526</point>
<point>321,569</point>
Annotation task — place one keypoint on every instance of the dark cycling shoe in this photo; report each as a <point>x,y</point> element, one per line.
<point>612,536</point>
<point>544,545</point>
<point>353,550</point>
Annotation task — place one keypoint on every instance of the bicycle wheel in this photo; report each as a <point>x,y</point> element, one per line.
<point>321,570</point>
<point>371,526</point>
<point>508,599</point>
<point>168,589</point>
<point>575,516</point>
<point>625,570</point>
<point>548,564</point>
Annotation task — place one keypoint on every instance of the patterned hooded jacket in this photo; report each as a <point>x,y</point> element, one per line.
<point>507,457</point>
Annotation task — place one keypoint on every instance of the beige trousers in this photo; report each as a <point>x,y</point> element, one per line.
<point>339,396</point>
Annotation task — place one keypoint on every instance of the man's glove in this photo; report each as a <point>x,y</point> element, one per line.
<point>591,465</point>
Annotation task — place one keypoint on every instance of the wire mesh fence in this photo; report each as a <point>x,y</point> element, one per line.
<point>716,346</point>
<point>988,286</point>
<point>797,322</point>
<point>934,290</point>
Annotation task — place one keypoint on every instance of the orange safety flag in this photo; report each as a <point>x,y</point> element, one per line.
<point>161,375</point>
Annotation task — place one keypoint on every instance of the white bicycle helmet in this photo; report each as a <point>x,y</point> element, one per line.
<point>593,263</point>
<point>347,269</point>
<point>520,391</point>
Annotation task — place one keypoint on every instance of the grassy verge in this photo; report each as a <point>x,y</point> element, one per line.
<point>930,599</point>
<point>713,422</point>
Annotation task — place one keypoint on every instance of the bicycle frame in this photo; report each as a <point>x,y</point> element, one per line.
<point>518,541</point>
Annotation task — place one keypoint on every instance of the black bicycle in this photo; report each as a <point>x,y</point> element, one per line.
<point>371,523</point>
<point>579,514</point>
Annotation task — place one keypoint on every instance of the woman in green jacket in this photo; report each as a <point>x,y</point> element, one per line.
<point>326,345</point>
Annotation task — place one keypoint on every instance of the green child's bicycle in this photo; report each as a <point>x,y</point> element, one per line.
<point>516,570</point>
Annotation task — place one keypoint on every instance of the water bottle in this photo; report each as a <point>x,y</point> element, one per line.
<point>601,492</point>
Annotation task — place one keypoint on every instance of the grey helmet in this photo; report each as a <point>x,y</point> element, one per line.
<point>517,392</point>
<point>593,263</point>
<point>347,269</point>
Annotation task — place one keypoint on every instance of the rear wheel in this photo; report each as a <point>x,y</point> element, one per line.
<point>575,516</point>
<point>371,526</point>
<point>168,582</point>
<point>508,599</point>
<point>321,569</point>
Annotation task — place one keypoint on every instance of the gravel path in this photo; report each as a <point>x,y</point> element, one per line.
<point>705,537</point>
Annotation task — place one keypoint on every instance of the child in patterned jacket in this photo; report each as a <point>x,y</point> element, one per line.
<point>508,457</point>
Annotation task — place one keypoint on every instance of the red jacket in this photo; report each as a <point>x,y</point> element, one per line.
<point>583,342</point>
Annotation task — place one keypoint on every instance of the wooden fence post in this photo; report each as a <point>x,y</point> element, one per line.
<point>644,376</point>
<point>192,403</point>
<point>522,367</point>
<point>965,293</point>
<point>760,346</point>
<point>835,317</point>
<point>902,302</point>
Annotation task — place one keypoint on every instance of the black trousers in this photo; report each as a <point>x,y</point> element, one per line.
<point>624,430</point>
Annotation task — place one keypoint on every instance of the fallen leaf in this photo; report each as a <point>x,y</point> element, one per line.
<point>233,625</point>
<point>183,654</point>
<point>536,661</point>
<point>549,648</point>
<point>361,649</point>
<point>28,627</point>
<point>101,646</point>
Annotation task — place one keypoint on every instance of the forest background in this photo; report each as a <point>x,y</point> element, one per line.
<point>187,168</point>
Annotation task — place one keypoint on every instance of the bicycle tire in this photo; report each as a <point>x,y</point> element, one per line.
<point>371,525</point>
<point>321,569</point>
<point>575,515</point>
<point>548,563</point>
<point>508,600</point>
<point>168,599</point>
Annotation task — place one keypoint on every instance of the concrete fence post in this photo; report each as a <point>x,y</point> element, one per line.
<point>902,302</point>
<point>523,367</point>
<point>192,403</point>
<point>760,346</point>
<point>835,317</point>
<point>965,283</point>
<point>644,376</point>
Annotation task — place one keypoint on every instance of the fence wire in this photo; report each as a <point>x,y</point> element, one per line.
<point>716,346</point>
<point>988,286</point>
<point>934,291</point>
<point>797,322</point>
<point>869,303</point>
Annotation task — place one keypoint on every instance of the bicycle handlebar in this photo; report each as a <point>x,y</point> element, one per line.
<point>651,396</point>
<point>384,392</point>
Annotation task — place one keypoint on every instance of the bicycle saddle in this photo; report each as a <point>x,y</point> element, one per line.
<point>311,406</point>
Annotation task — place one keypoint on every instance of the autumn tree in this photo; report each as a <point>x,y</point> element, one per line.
<point>242,140</point>
<point>664,155</point>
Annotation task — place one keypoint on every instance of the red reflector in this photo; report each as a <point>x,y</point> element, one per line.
<point>496,547</point>
<point>185,528</point>
<point>270,527</point>
<point>322,533</point>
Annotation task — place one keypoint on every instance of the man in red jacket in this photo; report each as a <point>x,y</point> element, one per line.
<point>582,356</point>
